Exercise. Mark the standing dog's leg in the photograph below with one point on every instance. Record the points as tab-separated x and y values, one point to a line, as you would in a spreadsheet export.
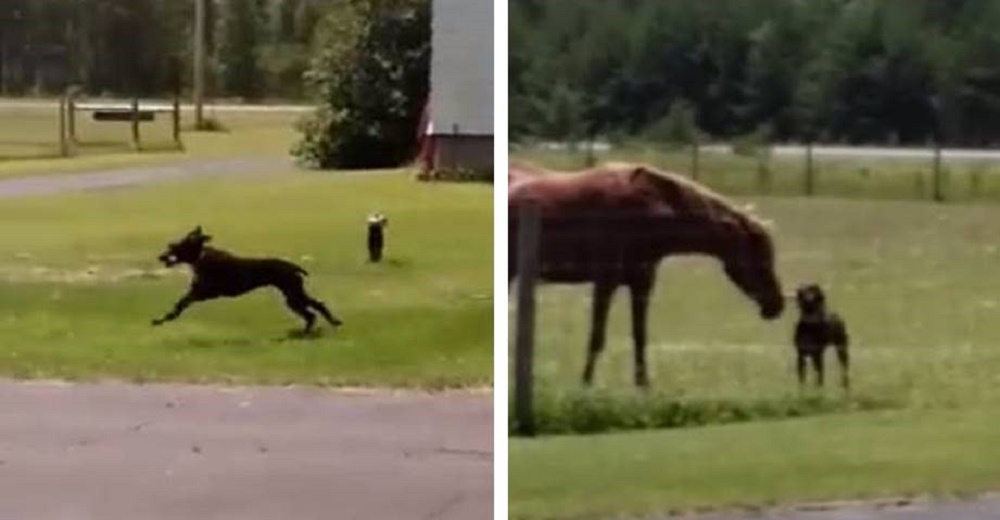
844	358
817	362
179	307
800	358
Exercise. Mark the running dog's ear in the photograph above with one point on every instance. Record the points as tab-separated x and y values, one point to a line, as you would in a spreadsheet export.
199	233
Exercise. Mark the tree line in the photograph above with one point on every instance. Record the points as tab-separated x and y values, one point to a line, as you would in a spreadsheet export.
851	71
364	63
254	47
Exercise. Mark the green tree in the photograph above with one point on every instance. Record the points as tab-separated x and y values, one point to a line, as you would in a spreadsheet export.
239	50
370	75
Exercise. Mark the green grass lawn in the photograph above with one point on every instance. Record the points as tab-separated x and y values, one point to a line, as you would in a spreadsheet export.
755	465
919	287
878	178
79	283
29	140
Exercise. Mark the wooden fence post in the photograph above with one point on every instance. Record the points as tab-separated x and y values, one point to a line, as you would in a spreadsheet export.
810	170
764	168
938	180
695	162
71	94
529	224
63	140
177	121
135	123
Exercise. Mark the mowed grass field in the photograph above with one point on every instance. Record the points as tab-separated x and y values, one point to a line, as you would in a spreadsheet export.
79	283
919	286
29	139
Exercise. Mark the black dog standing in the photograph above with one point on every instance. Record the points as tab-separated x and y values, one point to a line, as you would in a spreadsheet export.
219	274
376	236
817	329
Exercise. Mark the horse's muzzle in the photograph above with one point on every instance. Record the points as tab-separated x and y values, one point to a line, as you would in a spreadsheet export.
772	310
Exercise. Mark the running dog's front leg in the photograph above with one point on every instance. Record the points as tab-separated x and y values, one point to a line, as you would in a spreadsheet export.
179	307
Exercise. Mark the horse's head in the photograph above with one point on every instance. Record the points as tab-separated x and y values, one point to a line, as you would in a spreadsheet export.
750	265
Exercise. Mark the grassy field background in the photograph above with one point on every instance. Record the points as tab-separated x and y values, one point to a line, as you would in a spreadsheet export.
79	283
29	139
916	284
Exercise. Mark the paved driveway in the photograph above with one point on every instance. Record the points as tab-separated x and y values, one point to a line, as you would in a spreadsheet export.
118	451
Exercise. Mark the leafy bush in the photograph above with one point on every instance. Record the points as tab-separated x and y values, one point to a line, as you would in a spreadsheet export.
370	74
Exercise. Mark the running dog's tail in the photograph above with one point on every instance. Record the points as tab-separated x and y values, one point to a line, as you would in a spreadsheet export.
299	269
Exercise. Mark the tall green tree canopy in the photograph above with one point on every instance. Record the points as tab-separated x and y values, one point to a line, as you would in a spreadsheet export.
853	71
256	47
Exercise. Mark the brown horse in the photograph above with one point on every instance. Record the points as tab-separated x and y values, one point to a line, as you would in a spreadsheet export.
518	172
611	225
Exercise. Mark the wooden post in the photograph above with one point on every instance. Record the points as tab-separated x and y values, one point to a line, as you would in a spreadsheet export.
71	114
529	225
810	170
938	180
199	62
177	121
135	124
764	169
63	141
695	162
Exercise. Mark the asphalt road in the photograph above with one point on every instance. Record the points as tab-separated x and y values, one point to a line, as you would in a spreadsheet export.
35	185
986	507
117	451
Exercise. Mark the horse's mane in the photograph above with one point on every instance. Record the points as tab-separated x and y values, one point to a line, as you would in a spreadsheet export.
691	190
694	191
524	167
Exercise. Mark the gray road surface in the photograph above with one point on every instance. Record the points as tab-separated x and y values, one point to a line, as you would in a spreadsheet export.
122	177
982	508
116	451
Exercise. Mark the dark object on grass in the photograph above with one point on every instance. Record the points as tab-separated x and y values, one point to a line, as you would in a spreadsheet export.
817	329
377	223
219	274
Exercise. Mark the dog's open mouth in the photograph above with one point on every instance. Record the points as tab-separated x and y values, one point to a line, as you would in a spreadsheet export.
168	260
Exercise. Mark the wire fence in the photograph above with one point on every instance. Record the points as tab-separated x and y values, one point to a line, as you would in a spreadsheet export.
927	173
40	129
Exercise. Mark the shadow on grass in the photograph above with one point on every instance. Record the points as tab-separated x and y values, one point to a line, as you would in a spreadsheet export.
301	335
210	343
595	411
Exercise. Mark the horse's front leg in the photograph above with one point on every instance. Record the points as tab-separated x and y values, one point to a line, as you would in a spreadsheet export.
603	291
641	287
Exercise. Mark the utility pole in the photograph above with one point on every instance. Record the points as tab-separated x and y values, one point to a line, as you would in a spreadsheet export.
199	61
